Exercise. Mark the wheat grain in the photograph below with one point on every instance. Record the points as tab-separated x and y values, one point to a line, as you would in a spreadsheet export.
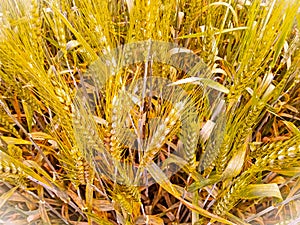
114	130
128	199
89	142
11	173
81	170
59	28
212	149
7	168
22	92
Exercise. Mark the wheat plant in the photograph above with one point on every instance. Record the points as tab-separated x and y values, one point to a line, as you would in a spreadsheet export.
92	134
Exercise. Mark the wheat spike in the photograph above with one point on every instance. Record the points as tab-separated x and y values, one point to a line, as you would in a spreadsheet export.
59	27
36	30
269	148
116	132
10	168
128	199
212	148
276	155
246	126
7	124
190	140
280	154
60	88
88	140
77	168
10	172
230	197
82	169
161	133
22	92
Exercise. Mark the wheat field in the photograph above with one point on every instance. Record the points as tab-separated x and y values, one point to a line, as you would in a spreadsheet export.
152	112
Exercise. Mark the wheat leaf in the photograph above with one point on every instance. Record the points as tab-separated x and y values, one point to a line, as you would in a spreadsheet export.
15	141
290	172
260	191
224	31
200	81
292	127
98	220
4	197
41	136
29	115
235	164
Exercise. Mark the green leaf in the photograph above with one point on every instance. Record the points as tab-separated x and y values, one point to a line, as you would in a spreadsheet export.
260	191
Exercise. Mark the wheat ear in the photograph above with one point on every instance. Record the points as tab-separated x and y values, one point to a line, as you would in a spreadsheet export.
115	130
60	88
9	168
280	154
190	141
36	30
7	124
161	133
276	155
230	197
82	168
245	126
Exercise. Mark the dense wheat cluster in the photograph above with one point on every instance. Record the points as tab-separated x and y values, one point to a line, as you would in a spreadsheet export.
85	138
